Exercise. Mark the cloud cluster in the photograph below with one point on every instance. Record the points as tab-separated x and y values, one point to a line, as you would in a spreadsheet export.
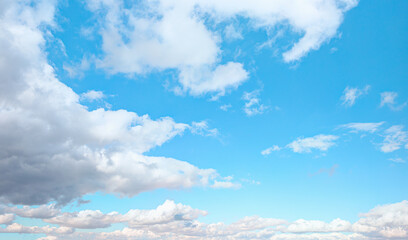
51	147
183	36
177	221
253	104
394	138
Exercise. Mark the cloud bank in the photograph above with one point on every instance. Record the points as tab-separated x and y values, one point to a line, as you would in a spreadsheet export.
178	221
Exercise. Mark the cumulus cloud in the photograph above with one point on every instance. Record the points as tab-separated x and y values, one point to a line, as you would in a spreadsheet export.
385	222
160	35
43	211
178	221
6	218
18	228
52	148
223	77
394	138
363	127
388	99
350	95
92	95
320	142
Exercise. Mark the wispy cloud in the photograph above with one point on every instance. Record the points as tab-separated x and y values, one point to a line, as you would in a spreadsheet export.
329	171
395	137
350	95
202	128
362	127
388	99
270	150
396	160
225	107
253	104
319	142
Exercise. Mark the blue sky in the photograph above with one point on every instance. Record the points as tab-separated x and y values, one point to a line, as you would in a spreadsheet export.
203	119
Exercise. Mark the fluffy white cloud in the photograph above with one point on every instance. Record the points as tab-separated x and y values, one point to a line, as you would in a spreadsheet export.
351	94
163	214
395	137
51	147
87	219
177	221
6	218
388	99
43	211
362	127
92	95
18	228
167	34
320	142
385	222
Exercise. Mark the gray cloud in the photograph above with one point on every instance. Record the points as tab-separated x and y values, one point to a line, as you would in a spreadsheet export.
51	147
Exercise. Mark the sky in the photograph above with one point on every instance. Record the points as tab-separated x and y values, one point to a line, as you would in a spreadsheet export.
203	119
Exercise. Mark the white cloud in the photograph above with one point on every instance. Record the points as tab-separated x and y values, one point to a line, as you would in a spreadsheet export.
388	99
396	160
198	81
252	105
43	211
363	127
77	70
385	222
159	35
54	149
201	128
232	33
6	218
320	142
395	137
18	228
350	95
225	107
270	150
92	95
225	184
166	213
177	221
86	219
